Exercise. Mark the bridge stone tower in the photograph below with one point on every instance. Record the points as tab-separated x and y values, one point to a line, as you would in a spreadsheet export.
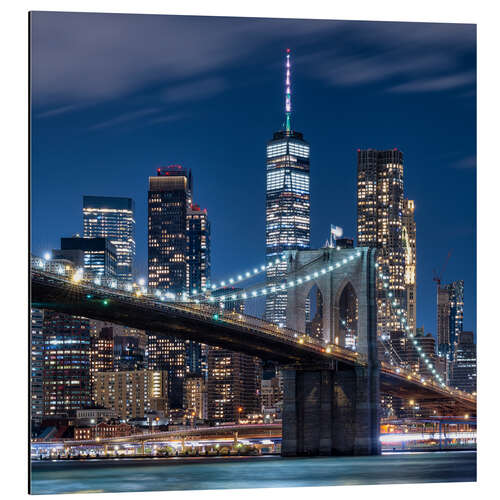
333	409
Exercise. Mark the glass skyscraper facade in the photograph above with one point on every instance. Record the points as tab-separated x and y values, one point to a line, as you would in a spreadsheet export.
380	205
287	203
410	244
464	366
178	261
99	254
198	248
169	199
66	363
450	310
113	218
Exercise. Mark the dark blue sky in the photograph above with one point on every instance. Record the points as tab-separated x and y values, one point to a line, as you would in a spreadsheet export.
116	96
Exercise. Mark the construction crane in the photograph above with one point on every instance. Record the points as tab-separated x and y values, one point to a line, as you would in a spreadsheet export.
437	277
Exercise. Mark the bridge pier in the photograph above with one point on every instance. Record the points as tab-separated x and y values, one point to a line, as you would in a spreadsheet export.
331	411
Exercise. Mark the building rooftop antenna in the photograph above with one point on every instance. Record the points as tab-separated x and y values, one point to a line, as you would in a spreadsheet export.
288	93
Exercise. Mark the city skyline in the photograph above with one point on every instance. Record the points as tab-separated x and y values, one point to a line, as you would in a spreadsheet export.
331	193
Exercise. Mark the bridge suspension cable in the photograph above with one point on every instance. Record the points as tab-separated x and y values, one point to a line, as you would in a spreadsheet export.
400	314
268	290
238	278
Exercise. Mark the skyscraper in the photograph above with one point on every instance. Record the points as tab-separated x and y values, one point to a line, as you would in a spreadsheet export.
233	379
287	200
169	199
410	244
464	366
36	363
66	367
101	352
99	254
113	218
380	224
198	248
450	317
178	261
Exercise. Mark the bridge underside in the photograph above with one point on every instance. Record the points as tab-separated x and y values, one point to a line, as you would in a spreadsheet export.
426	396
138	313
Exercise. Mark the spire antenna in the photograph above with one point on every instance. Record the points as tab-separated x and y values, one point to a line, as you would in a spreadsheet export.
288	93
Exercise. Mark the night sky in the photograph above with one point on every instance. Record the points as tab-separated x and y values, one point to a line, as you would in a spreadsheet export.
116	96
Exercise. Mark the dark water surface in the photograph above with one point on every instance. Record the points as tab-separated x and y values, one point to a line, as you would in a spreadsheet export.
258	472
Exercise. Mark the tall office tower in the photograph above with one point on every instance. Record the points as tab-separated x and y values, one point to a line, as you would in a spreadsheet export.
133	393
287	201
169	199
99	254
178	261
113	218
380	224
101	352
233	379
198	248
464	366
450	317
410	244
66	363
36	364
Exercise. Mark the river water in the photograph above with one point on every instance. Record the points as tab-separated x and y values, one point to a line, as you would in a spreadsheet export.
257	472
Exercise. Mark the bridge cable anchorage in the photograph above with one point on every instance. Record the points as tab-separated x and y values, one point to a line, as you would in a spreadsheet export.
400	315
252	292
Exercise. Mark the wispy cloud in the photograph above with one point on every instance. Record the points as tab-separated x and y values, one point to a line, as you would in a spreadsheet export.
405	57
125	118
83	57
466	163
167	118
436	84
59	110
199	89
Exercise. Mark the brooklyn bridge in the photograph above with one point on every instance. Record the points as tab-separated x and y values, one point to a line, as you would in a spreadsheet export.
331	393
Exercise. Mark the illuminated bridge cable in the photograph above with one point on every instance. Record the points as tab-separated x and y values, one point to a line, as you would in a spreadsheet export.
400	314
277	288
238	278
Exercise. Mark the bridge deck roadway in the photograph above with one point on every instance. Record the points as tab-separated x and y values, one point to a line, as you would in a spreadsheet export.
191	321
234	331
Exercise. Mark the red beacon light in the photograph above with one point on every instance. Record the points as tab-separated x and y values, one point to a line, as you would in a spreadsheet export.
288	51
